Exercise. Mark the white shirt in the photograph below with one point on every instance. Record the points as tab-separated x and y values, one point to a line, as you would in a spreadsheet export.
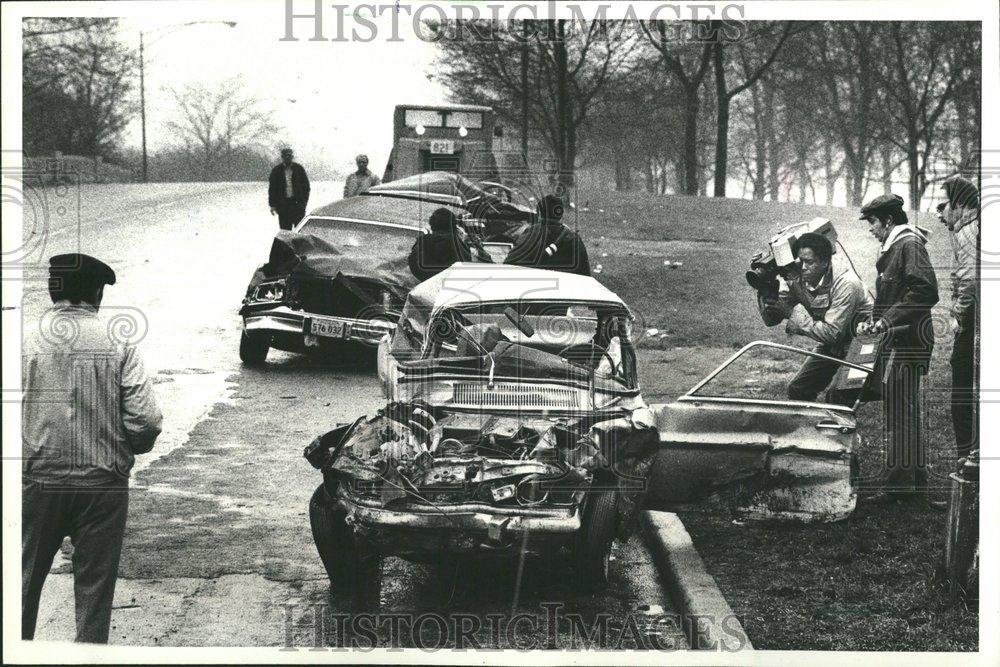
288	182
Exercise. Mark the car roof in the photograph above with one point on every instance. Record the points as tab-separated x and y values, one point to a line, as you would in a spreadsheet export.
445	107
470	283
404	212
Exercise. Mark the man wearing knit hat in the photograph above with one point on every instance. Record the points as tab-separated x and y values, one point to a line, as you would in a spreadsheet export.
549	244
960	214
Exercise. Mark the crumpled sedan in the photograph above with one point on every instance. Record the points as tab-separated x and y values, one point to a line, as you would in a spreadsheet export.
515	425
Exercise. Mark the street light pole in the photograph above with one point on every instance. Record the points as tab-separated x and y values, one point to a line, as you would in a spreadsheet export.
142	80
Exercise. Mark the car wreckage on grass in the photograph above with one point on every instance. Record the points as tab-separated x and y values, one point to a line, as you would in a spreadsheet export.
341	275
515	425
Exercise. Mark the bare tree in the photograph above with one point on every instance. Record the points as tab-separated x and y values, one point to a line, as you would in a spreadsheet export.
215	122
928	64
751	57
687	61
77	85
569	62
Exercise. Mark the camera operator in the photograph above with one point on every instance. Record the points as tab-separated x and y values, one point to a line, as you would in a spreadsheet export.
825	300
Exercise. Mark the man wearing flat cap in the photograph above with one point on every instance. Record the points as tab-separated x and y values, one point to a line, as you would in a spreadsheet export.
88	409
960	215
360	180
288	190
905	291
549	244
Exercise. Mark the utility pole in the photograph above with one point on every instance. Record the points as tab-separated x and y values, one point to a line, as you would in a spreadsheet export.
142	104
142	76
524	93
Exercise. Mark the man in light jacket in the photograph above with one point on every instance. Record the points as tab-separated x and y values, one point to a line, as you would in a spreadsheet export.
88	409
825	302
960	214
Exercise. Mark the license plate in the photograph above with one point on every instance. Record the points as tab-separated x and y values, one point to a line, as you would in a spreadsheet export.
327	328
442	146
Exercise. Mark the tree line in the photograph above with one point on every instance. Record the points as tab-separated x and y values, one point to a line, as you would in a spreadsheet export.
781	109
81	91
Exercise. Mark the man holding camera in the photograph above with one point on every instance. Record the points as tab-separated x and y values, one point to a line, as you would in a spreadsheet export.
905	292
824	301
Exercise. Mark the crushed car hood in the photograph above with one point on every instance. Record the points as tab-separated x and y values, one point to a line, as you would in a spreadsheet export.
310	256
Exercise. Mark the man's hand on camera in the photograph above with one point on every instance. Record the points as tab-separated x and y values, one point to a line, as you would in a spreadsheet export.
779	307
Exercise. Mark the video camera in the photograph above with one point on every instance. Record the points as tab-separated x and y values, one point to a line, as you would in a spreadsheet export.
778	257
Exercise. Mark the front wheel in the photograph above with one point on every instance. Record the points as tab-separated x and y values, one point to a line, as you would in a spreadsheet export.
254	348
353	571
593	546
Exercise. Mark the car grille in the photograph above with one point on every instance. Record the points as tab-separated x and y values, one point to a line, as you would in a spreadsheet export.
512	395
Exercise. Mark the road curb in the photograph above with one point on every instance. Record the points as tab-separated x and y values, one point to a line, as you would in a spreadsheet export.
707	619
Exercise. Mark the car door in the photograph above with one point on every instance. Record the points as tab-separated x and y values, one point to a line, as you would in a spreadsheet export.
735	433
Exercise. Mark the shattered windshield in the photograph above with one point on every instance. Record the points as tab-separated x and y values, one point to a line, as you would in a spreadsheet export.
578	343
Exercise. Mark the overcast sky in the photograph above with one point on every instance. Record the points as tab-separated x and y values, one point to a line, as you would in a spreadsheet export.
334	98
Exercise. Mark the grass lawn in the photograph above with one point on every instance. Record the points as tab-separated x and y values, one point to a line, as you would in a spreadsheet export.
865	583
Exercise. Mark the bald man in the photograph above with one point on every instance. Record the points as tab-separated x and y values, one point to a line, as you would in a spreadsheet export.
360	180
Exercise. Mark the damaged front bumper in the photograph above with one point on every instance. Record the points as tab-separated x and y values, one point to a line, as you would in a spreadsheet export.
413	530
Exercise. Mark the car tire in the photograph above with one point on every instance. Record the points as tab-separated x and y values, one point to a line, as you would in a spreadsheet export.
593	545
254	348
353	571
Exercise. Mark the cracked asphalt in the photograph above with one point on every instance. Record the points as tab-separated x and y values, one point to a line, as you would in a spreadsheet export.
218	550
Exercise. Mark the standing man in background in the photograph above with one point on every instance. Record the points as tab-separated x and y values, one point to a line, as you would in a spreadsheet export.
288	190
905	291
960	214
88	409
360	180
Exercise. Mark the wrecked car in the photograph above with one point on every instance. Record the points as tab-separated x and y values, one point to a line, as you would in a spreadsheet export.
341	275
515	423
737	435
514	410
493	211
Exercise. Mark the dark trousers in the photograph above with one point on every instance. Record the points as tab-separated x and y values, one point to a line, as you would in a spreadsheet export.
906	458
964	402
290	212
814	376
94	518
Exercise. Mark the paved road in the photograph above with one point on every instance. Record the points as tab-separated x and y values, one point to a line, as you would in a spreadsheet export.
218	549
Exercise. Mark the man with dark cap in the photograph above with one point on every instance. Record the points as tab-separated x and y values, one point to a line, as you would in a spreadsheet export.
288	190
960	214
446	244
905	291
88	409
549	244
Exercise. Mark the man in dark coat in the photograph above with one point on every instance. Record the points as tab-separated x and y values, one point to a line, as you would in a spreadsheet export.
549	244
288	190
446	244
905	291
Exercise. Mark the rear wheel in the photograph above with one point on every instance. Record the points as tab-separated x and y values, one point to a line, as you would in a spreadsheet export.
593	546
354	571
254	347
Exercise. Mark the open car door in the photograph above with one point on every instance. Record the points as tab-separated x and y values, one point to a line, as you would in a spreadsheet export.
737	433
